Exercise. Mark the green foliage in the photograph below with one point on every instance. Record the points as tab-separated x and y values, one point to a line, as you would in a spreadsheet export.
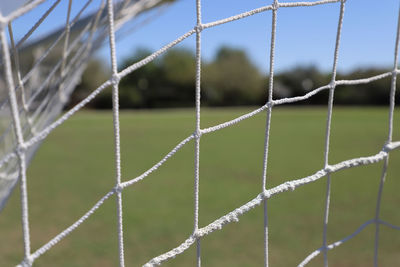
231	79
168	81
375	93
299	81
179	67
93	76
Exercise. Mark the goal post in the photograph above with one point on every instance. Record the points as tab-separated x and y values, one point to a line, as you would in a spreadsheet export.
34	108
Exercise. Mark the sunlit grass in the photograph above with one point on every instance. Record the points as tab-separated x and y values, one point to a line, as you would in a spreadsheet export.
75	167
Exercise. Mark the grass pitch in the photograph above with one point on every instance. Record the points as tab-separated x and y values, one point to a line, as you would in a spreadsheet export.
75	167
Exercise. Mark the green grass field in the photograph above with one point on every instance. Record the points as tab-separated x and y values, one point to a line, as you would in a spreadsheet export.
75	167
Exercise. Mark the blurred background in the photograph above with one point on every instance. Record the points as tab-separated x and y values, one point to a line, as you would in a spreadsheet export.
235	56
74	167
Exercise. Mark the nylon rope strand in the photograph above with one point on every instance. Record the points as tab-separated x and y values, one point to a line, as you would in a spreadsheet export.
117	145
268	125
389	140
328	132
20	143
63	97
197	134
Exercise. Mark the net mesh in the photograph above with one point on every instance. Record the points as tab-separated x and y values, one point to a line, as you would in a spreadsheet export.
52	67
35	100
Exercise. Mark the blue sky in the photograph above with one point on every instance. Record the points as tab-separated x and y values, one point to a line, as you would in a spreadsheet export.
305	35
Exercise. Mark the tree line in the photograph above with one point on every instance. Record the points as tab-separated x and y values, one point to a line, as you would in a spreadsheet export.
231	79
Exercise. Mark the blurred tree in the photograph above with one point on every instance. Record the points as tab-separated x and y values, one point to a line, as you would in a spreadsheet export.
232	80
138	89
180	71
92	77
164	82
375	93
299	81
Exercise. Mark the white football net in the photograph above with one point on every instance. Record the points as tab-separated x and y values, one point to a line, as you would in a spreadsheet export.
38	92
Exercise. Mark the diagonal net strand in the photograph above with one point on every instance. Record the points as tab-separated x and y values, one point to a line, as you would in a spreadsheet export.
290	185
75	54
218	224
42	135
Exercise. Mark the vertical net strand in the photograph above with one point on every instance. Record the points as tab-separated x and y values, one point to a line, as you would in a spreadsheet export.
389	140
20	142
197	131
268	126
328	132
117	146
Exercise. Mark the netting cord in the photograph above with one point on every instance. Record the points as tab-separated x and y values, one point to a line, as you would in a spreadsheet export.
55	42
36	25
328	132
197	135
21	11
43	134
289	185
117	145
17	66
114	81
389	140
63	97
19	79
20	143
275	7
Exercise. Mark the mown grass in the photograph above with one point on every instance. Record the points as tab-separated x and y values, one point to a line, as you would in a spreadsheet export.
75	167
